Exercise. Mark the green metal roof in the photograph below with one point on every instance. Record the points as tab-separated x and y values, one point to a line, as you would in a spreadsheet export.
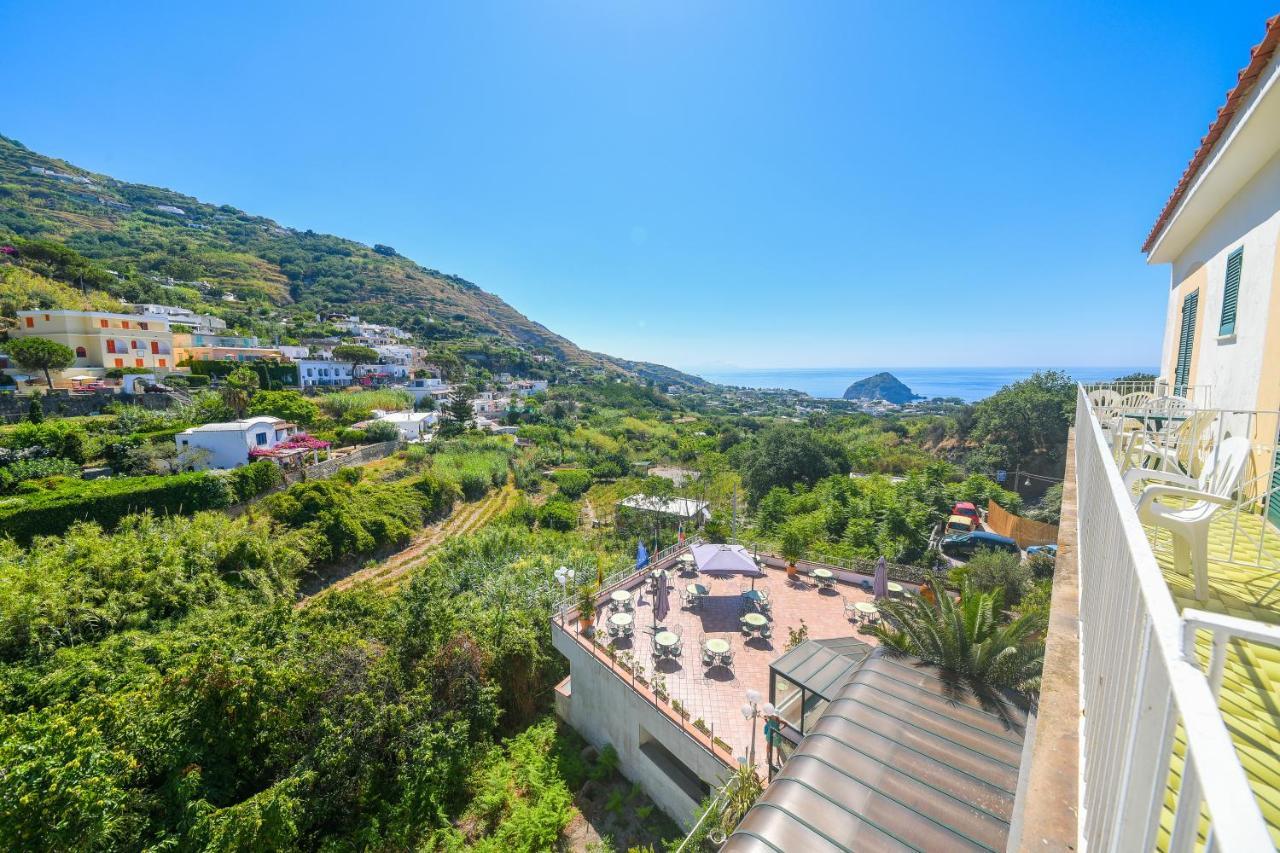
899	760
822	666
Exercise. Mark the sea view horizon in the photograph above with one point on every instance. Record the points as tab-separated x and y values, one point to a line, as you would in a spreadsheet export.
968	383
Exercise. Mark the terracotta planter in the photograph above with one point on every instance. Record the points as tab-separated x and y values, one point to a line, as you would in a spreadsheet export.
792	571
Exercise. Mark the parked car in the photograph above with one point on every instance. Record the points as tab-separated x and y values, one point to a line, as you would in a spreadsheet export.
958	525
968	510
965	545
1049	550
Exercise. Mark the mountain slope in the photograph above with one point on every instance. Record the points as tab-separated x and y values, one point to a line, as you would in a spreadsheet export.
173	241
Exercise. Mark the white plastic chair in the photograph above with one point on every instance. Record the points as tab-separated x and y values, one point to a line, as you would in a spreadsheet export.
1188	520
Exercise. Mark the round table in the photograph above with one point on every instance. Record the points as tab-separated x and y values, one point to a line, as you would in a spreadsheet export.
755	620
697	589
823	574
866	608
718	647
621	597
622	620
665	639
895	588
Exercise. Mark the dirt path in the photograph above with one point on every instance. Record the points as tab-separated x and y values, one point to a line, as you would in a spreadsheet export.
464	519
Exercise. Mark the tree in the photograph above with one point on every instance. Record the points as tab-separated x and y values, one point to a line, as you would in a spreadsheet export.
1025	424
241	384
966	639
290	405
41	354
457	414
357	354
788	454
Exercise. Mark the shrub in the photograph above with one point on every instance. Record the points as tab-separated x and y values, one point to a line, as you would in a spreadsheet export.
440	495
253	479
572	482
990	570
57	437
557	515
108	500
1041	565
380	431
36	469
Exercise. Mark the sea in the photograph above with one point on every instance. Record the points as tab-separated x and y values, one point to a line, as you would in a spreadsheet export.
968	383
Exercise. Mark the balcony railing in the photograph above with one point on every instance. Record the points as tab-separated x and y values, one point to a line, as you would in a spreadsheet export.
1140	685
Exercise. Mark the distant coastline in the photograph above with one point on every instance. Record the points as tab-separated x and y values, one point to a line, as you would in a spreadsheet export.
968	383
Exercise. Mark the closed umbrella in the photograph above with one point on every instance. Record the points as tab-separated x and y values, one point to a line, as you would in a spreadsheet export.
661	601
880	584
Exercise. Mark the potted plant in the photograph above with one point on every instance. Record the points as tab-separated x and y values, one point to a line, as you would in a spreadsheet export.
586	604
792	550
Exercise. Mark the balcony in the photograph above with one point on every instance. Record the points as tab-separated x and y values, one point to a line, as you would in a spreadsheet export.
1178	682
676	723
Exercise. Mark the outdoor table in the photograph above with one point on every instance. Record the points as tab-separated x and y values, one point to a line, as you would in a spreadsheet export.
755	621
895	588
665	640
824	577
866	608
620	620
621	596
718	646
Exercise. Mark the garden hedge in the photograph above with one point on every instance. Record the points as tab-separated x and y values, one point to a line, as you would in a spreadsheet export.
106	501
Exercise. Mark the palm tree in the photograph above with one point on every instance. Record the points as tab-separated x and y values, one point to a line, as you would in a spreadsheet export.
967	640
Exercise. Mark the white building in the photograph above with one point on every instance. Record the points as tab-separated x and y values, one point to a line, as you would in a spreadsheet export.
227	445
1219	233
401	354
314	372
383	371
413	426
182	319
429	386
294	353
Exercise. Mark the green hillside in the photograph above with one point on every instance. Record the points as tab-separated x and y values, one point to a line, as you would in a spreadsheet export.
152	244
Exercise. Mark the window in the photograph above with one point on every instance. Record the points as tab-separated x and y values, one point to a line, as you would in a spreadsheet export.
119	362
31	321
136	344
1231	292
137	362
124	324
1186	342
143	326
155	347
161	362
260	438
111	345
81	352
102	323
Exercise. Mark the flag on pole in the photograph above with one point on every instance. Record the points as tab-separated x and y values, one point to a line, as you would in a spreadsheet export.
642	556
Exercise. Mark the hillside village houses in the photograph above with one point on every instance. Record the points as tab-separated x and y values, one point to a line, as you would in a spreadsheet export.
102	340
228	445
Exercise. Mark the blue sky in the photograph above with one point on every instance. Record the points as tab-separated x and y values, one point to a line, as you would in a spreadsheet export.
700	184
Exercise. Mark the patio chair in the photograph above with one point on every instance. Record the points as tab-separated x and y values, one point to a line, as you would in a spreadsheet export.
1198	501
1104	401
726	659
766	631
850	611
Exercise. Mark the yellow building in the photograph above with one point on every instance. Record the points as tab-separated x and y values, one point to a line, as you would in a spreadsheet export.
102	340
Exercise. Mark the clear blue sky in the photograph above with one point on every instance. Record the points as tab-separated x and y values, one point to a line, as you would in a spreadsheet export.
755	184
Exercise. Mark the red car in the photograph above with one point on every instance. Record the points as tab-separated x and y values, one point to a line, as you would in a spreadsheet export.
968	510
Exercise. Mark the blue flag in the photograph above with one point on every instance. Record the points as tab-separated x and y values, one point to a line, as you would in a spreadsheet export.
642	556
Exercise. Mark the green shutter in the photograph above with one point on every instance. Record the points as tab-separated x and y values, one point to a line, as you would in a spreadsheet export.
1185	341
1273	502
1231	293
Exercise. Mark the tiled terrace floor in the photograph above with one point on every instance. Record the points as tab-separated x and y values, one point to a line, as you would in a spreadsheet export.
716	695
1250	700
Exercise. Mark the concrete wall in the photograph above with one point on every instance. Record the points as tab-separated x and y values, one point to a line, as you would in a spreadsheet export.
14	408
605	710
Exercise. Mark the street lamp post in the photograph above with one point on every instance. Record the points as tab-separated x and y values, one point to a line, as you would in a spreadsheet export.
564	575
752	709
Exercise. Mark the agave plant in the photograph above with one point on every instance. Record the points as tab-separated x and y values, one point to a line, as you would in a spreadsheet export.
967	640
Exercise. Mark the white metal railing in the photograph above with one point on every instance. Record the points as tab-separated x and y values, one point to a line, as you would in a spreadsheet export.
1186	440
1158	389
1138	685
